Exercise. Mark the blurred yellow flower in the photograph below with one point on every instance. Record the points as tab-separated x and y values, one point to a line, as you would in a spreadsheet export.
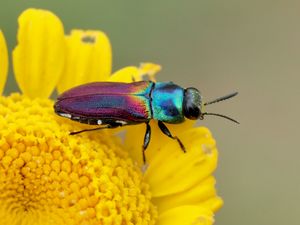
3	62
50	177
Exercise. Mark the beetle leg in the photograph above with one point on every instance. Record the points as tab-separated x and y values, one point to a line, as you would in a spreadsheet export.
146	140
93	129
166	131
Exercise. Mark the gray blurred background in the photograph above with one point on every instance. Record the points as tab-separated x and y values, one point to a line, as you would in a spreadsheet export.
217	46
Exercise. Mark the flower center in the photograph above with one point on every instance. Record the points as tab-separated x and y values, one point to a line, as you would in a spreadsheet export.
50	177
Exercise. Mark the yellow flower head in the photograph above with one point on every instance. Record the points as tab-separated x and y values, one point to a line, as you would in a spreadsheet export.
50	177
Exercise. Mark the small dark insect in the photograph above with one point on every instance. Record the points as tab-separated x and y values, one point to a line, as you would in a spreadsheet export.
112	105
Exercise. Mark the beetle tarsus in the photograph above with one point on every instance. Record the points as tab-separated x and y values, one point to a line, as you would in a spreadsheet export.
166	131
146	141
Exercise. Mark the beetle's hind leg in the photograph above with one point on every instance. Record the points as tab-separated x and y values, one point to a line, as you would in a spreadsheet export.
108	126
166	131
146	140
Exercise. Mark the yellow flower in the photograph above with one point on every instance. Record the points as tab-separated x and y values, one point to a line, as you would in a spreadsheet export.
50	177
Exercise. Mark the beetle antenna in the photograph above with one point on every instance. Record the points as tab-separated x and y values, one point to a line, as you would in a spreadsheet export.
221	98
220	115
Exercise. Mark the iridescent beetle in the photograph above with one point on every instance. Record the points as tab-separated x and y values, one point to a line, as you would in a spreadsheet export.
112	104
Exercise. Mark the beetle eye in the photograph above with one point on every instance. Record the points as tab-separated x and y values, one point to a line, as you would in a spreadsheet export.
192	104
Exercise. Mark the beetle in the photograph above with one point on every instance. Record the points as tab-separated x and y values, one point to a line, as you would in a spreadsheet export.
115	104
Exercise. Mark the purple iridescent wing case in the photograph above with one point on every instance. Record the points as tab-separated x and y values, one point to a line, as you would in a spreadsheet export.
104	101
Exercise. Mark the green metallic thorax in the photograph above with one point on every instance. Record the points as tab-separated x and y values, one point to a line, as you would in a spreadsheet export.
167	101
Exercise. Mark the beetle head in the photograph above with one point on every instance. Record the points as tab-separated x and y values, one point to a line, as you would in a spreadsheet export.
192	104
193	108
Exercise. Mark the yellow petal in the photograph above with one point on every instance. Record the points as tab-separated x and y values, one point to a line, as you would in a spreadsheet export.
132	73
149	69
186	215
133	142
180	171
88	59
175	129
38	58
200	194
137	133
127	74
214	204
3	62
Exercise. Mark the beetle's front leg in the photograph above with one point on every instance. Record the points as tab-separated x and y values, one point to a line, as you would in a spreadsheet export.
166	131
146	140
